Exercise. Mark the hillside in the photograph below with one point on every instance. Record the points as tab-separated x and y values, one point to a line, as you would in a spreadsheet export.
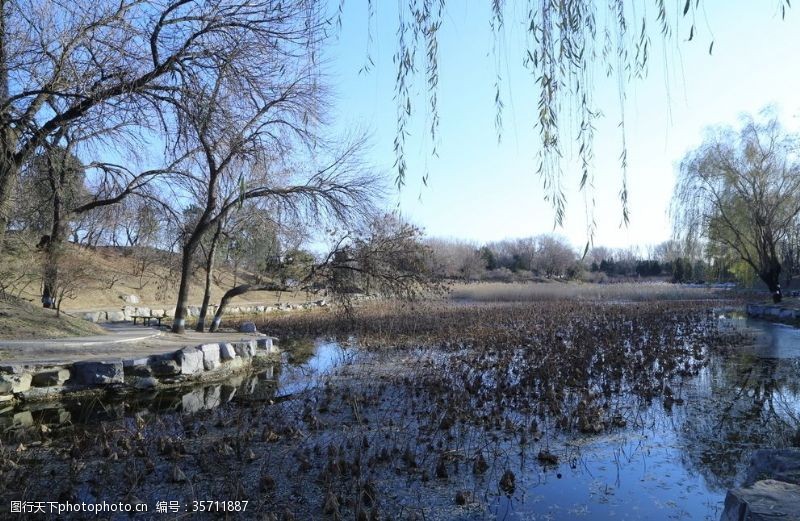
22	320
102	278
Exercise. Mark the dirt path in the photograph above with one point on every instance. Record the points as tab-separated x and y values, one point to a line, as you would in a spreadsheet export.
121	341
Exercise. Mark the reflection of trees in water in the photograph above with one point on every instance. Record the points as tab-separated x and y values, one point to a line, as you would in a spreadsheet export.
251	387
299	350
740	403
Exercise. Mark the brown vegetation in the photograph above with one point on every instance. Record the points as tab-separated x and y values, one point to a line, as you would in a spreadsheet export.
20	320
444	409
116	271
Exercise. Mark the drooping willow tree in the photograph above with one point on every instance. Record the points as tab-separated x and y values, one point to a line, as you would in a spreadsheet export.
567	41
740	191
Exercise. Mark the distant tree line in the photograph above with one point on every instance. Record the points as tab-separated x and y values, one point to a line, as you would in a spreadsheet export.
551	257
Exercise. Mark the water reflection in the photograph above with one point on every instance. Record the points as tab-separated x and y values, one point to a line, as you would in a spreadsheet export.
742	402
659	454
50	415
770	340
678	456
302	366
305	362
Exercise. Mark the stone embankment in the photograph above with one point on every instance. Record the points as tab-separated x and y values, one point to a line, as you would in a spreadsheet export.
52	414
771	489
773	312
128	312
206	362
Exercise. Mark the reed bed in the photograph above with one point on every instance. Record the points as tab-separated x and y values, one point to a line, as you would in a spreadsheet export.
447	411
480	324
619	292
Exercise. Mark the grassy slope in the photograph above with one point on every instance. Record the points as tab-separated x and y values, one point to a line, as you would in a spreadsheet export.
22	320
114	272
107	274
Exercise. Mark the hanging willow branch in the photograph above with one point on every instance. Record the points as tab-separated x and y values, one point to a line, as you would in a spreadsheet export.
565	45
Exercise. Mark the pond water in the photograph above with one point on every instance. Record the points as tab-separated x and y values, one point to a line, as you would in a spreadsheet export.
273	382
681	459
671	458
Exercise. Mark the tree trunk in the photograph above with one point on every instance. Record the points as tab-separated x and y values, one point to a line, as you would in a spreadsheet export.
8	176
772	278
8	168
201	320
179	323
54	246
235	292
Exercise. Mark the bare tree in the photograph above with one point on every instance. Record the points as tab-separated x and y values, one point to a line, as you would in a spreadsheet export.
64	62
246	124
456	259
57	188
554	256
790	253
386	257
741	189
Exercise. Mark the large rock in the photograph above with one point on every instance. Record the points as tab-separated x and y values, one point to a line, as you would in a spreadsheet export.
35	394
130	299
133	362
190	360
236	363
210	356
193	401
142	312
266	345
13	369
139	371
53	378
15	383
129	312
755	310
98	373
23	419
157	313
165	367
116	316
248	327
145	383
245	349
95	316
226	352
765	500
780	464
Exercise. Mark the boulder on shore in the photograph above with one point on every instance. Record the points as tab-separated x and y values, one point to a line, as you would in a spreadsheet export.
98	373
248	327
765	500
771	488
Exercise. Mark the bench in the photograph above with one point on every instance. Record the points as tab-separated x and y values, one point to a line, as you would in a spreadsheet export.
146	319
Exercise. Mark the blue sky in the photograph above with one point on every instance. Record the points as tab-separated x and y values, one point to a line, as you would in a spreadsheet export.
481	191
